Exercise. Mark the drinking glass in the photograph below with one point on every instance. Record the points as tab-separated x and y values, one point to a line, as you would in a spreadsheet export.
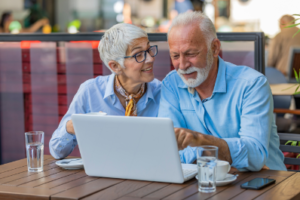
207	160
35	150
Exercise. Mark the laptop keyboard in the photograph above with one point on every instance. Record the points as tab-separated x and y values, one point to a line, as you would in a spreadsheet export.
189	173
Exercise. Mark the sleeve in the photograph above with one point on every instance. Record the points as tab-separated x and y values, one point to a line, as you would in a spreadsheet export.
62	143
250	151
274	51
169	107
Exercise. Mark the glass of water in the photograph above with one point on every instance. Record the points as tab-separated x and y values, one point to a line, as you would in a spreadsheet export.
35	150
207	160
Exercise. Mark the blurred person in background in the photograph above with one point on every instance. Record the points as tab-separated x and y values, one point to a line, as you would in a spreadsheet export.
182	6
280	45
7	19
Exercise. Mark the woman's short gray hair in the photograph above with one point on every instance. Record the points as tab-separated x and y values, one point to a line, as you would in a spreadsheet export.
205	24
115	41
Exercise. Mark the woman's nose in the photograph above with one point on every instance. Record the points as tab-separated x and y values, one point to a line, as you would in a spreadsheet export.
149	58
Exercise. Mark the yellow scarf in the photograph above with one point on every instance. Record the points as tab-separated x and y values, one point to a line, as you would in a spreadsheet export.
131	109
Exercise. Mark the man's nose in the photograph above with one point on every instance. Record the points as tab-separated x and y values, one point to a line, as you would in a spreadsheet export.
183	63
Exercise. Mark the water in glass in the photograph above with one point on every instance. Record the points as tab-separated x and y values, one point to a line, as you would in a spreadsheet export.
35	156
206	174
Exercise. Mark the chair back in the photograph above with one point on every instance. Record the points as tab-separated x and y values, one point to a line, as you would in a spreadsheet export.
289	148
293	63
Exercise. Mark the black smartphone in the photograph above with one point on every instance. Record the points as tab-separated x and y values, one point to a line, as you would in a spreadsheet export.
257	183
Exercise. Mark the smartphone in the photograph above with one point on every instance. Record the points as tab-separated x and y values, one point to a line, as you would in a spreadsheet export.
257	183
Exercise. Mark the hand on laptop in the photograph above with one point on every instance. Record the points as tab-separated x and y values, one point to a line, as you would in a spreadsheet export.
186	137
70	127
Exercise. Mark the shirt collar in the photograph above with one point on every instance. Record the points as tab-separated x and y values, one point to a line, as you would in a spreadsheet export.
109	91
220	84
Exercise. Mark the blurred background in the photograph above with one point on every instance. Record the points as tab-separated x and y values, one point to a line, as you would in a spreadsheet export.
153	15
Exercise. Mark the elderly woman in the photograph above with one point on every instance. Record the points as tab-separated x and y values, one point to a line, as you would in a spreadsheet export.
130	90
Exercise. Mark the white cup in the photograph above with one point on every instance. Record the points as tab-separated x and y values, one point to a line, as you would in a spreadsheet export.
222	169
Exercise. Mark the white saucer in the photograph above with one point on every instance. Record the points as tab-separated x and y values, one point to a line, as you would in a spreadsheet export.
228	179
75	163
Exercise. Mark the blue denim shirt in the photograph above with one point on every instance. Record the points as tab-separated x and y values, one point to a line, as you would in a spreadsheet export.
240	111
96	95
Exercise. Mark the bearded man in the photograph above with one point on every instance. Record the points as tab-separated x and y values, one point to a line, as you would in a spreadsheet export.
213	102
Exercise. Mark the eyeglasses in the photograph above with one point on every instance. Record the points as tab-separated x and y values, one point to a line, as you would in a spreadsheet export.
141	56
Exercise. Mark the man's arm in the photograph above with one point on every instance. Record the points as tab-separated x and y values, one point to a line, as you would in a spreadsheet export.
250	150
186	137
169	107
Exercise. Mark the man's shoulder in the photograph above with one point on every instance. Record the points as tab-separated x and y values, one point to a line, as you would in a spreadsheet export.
242	73
172	77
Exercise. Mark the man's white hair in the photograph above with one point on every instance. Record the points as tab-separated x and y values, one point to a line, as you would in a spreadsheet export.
205	24
115	41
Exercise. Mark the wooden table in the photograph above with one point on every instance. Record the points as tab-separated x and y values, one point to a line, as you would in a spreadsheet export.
57	183
283	89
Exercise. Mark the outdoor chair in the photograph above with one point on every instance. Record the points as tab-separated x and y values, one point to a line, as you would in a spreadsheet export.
284	137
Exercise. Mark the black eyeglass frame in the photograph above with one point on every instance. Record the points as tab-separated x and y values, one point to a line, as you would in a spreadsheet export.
145	54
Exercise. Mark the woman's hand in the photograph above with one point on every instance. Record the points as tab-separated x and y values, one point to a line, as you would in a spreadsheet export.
70	127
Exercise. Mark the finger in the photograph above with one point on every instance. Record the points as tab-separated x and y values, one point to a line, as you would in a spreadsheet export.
188	140
180	140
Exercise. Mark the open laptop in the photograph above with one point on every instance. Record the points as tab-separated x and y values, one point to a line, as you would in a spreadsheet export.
140	148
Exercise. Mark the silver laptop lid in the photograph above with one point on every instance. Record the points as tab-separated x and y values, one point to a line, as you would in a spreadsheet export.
140	148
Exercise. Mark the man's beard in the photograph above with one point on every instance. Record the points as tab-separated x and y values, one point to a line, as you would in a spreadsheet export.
202	73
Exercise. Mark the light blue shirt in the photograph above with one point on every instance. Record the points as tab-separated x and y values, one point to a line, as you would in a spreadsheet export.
96	95
240	111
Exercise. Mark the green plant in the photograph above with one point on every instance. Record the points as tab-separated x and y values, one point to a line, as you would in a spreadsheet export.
295	24
293	143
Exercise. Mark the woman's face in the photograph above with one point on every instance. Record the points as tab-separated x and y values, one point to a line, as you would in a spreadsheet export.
138	72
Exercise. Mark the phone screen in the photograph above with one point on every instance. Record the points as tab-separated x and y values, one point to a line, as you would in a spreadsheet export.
257	183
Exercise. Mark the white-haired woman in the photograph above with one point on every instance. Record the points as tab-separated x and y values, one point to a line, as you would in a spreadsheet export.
131	89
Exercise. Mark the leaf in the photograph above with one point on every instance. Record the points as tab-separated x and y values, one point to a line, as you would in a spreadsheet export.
296	93
296	75
290	141
290	87
296	14
296	33
290	26
297	88
291	22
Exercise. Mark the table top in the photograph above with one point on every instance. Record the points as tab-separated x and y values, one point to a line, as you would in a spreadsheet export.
283	89
57	183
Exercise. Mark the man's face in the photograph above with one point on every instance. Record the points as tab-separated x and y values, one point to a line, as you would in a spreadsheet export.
190	55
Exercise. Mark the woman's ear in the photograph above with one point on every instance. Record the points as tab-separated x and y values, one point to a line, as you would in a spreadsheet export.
115	66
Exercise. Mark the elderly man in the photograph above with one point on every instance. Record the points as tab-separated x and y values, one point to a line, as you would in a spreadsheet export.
213	102
280	45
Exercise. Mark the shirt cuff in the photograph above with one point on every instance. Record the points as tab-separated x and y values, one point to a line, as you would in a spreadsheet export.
188	155
238	153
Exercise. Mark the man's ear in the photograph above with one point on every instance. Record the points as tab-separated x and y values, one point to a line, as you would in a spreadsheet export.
115	66
216	47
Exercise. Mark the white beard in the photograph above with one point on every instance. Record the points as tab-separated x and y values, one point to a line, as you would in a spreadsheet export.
202	73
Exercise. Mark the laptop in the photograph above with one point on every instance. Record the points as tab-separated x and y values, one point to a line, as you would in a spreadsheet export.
139	148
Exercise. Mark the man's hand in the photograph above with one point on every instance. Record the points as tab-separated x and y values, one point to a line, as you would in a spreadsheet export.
186	137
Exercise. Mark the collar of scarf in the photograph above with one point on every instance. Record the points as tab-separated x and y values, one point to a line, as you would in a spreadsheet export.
131	109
